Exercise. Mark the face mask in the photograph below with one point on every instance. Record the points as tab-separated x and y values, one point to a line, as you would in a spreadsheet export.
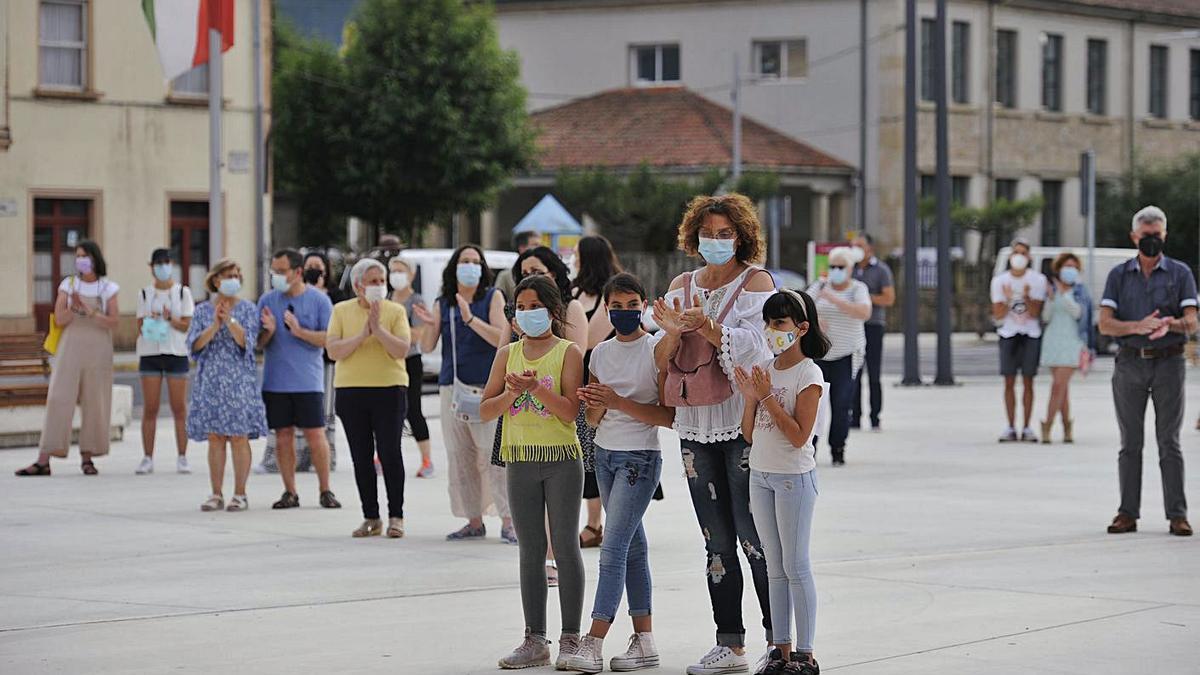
83	265
626	321
1018	261
398	280
162	272
279	281
1150	246
779	340
1069	275
534	322
375	293
312	275
837	276
154	330
230	287
716	251
469	274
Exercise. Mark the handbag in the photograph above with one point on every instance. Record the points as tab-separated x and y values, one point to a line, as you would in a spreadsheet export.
694	373
464	399
50	344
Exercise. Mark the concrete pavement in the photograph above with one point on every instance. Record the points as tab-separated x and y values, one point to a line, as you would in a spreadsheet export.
936	550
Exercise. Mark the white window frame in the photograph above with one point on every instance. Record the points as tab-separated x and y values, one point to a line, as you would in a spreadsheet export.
784	49
85	66
658	64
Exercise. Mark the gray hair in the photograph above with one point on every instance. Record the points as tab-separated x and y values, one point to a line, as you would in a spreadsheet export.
1149	214
842	253
360	270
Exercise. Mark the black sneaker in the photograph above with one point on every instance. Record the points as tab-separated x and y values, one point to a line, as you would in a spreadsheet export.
799	665
328	501
289	500
774	665
839	456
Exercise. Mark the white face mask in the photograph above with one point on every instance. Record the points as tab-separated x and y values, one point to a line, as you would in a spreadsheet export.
780	340
398	280
375	293
1018	261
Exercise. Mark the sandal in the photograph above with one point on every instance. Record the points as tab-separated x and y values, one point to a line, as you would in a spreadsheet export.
328	501
238	503
89	468
595	540
34	469
551	574
395	528
369	528
213	503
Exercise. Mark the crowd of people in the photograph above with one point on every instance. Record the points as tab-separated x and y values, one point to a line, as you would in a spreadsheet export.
552	392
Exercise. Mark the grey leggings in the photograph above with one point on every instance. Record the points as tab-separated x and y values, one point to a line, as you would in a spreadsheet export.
535	490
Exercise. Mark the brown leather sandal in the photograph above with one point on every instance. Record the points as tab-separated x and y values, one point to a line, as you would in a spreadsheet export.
34	469
89	468
593	541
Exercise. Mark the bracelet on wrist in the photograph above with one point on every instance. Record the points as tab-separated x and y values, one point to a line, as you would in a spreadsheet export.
765	398
468	321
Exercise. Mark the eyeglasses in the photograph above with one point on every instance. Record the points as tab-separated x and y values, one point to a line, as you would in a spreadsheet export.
723	234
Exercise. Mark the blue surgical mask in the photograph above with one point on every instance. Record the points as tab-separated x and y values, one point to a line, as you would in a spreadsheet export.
534	322
469	274
162	271
154	330
279	281
1069	275
230	287
716	251
625	321
837	276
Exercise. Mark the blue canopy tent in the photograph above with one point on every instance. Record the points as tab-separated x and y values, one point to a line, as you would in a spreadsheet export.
554	223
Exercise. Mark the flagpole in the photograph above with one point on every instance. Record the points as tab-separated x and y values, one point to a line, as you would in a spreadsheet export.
216	229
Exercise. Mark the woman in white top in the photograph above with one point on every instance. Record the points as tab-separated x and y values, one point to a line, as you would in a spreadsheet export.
782	413
726	310
164	314
845	305
86	309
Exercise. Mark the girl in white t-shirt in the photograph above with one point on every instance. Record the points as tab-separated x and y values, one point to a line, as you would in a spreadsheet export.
783	404
164	314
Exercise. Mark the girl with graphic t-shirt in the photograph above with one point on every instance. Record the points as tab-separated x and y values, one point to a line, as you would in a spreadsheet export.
533	384
783	403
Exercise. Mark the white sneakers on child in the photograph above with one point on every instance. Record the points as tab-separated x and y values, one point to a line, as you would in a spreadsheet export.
182	465
641	654
719	660
588	656
145	466
533	652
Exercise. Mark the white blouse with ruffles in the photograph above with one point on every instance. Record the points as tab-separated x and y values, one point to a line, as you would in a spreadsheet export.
743	343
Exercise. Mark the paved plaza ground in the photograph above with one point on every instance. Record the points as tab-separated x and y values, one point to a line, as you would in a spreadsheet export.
936	550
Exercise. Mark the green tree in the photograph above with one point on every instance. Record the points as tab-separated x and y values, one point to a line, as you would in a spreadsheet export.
997	221
1173	186
435	111
641	210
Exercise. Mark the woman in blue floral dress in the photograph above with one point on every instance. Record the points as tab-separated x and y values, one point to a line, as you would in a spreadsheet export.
225	405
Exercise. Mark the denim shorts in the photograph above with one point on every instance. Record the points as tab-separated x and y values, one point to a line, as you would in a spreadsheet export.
166	365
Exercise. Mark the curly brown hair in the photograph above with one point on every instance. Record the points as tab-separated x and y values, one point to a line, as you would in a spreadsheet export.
1064	258
741	214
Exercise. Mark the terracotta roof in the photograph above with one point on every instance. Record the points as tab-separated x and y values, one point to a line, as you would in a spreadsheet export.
667	127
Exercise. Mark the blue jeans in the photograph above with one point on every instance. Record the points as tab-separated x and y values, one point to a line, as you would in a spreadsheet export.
840	376
627	480
718	476
782	504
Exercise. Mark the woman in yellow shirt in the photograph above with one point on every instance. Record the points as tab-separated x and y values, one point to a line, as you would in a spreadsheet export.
368	338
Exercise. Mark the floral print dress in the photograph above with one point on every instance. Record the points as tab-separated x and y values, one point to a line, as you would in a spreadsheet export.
225	398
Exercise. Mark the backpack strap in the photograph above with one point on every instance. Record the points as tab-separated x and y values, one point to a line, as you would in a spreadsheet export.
738	291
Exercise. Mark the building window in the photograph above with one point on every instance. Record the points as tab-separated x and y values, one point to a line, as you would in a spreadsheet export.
1052	68
1195	98
781	59
1006	189
1006	68
1051	212
928	27
62	44
960	76
58	226
189	243
193	83
1158	81
1097	76
656	63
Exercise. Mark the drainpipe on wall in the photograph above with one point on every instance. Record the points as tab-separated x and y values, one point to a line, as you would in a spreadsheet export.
1130	97
990	114
861	221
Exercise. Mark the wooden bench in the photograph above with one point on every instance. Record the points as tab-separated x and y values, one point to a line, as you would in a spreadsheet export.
22	356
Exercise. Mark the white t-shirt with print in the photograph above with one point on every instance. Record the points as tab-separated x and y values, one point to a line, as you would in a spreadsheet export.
1018	320
771	451
629	368
101	288
151	302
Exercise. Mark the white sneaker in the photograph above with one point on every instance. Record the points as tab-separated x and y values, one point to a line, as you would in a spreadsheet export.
182	465
146	466
641	654
568	644
588	656
718	661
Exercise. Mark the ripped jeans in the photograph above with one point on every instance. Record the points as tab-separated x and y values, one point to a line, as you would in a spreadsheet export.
718	476
627	479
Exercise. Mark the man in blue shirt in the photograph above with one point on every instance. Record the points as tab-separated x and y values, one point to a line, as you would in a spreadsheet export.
1149	306
294	319
878	277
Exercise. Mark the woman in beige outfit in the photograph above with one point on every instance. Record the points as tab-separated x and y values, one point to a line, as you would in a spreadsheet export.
86	309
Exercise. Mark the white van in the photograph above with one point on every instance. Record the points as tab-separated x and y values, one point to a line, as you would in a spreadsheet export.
1106	259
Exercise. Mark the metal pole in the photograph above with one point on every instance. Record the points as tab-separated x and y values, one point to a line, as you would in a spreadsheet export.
912	355
945	290
260	164
1091	217
775	218
862	117
736	170
216	228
